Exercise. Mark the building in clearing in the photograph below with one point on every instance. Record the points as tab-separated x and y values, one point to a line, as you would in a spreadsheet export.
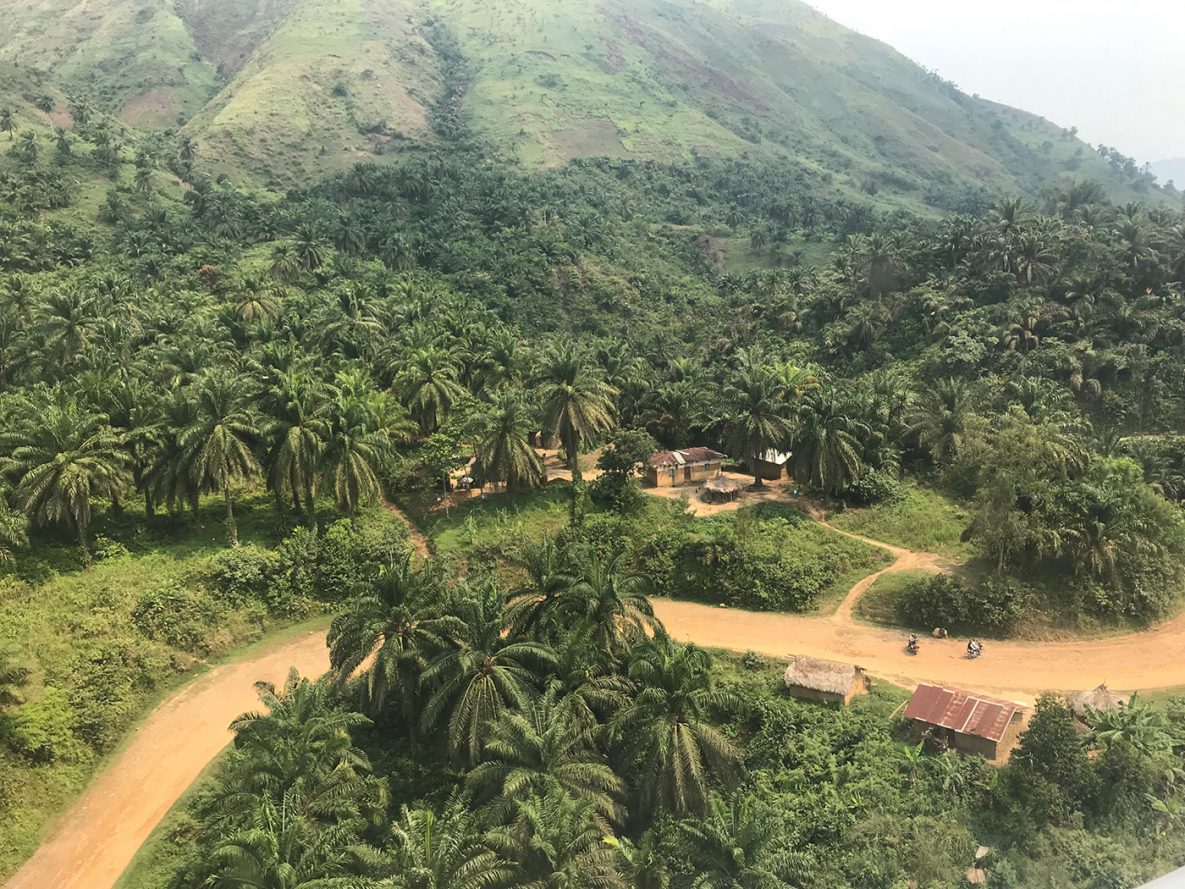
771	465
690	466
967	722
829	681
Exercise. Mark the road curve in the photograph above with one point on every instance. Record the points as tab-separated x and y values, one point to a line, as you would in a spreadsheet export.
96	840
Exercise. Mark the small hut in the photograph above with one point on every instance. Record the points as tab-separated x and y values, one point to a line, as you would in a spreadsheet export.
771	465
814	679
721	490
968	722
688	466
1099	698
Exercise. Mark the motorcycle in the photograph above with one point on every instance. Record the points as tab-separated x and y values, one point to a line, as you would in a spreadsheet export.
974	650
912	645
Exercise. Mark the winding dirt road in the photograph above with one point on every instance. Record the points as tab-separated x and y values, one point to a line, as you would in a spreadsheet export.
97	839
95	842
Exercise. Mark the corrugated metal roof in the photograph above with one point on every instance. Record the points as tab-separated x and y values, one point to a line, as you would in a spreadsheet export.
685	457
961	711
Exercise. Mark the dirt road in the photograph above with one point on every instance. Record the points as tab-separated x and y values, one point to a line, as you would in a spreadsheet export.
96	840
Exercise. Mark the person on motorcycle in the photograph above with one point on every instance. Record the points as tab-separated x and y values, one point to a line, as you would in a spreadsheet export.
974	648
912	644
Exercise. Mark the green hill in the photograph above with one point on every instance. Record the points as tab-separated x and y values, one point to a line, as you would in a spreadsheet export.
285	90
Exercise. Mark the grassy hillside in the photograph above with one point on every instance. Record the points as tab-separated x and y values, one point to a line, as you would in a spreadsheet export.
136	59
339	82
285	90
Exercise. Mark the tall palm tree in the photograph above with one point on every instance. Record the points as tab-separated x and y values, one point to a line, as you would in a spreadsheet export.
60	464
555	843
666	731
756	418
732	848
443	852
826	450
611	601
429	385
504	452
218	447
393	630
483	673
548	747
362	430
576	404
296	432
680	407
939	416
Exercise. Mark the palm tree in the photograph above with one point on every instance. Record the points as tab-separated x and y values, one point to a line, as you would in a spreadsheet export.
68	320
1133	725
504	452
826	451
443	852
8	123
555	843
429	385
297	433
731	847
257	300
282	849
938	418
576	405
61	463
680	407
483	673
393	630
363	427
546	748
14	532
666	733
218	448
757	418
611	601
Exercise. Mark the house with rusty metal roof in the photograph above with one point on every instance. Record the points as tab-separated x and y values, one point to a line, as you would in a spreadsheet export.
689	466
965	721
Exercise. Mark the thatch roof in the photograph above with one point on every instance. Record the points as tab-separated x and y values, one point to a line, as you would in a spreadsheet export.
722	485
1100	698
821	675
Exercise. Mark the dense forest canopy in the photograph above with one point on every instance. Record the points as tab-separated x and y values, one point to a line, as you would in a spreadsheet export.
181	348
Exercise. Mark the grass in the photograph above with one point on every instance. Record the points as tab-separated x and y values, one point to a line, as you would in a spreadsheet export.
496	522
922	520
878	605
76	632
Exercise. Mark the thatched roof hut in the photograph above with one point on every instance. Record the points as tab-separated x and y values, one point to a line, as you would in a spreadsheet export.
819	680
1099	698
721	489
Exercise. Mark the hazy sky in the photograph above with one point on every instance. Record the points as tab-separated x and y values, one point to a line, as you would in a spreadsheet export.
1113	68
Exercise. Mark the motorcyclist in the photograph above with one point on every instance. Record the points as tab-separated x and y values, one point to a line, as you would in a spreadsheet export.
974	648
912	644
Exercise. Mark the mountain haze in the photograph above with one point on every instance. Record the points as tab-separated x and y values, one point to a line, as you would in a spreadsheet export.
284	90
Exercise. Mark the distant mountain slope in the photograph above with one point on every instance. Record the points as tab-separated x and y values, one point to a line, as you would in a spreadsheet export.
337	82
282	91
134	58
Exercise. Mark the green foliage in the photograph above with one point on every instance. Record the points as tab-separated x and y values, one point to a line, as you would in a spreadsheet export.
990	604
43	729
178	617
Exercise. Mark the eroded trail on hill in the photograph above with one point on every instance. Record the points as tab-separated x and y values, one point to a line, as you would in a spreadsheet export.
96	840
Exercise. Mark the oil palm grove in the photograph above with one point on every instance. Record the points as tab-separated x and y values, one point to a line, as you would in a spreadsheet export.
395	379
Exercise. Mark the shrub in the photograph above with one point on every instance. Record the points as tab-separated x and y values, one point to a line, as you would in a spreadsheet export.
243	573
876	486
992	605
176	616
751	660
43	730
105	549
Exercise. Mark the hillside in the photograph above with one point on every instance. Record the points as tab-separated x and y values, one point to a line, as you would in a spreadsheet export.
283	90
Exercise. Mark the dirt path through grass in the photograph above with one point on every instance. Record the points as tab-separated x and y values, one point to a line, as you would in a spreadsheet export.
90	847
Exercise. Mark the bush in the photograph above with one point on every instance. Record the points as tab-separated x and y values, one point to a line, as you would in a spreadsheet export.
176	616
43	730
243	573
876	486
105	549
993	605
